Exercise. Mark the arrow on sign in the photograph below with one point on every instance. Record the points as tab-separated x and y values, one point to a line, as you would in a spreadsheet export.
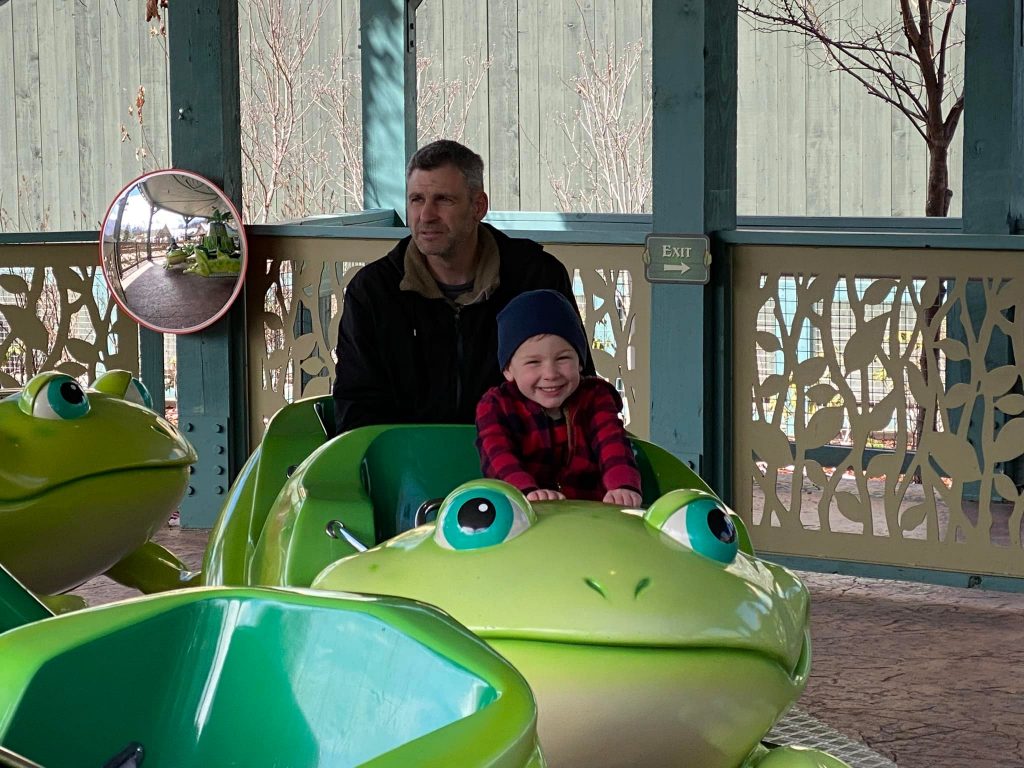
680	268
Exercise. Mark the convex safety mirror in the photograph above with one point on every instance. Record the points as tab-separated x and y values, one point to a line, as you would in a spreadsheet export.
173	251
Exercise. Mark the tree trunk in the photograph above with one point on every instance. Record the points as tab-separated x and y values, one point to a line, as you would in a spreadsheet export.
939	193
937	204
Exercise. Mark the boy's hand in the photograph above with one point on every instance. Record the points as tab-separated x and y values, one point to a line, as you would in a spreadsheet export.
542	494
623	497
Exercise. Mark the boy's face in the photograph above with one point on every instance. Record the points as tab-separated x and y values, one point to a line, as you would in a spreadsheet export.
546	369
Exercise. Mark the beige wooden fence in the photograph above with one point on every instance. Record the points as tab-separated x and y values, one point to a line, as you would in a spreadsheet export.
823	469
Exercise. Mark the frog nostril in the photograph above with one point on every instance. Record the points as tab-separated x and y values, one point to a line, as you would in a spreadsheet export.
595	586
641	585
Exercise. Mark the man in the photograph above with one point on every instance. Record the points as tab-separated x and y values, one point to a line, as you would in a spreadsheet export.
418	336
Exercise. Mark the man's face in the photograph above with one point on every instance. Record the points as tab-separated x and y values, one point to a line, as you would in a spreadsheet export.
443	214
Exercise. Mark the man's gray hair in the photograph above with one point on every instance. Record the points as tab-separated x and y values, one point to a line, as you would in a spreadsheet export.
447	152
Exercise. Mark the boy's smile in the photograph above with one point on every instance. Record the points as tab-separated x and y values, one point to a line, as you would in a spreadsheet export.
546	369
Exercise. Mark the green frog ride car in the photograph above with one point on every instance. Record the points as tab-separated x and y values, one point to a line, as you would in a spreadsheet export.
651	636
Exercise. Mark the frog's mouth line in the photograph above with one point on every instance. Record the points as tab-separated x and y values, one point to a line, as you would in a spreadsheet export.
798	674
163	468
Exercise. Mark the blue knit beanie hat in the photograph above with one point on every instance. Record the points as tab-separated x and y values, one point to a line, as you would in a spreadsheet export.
535	312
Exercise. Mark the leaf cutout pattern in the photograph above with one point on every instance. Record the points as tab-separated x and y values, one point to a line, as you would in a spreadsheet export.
900	400
774	385
822	394
879	291
955	457
953	349
1000	380
1012	405
769	342
809	371
1006	487
864	344
1009	442
913	517
314	280
958	395
771	444
851	507
62	320
822	427
13	284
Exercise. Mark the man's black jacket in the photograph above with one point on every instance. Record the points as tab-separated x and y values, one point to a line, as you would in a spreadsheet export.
407	359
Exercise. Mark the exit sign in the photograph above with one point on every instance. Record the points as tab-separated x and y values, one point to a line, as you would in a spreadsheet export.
678	259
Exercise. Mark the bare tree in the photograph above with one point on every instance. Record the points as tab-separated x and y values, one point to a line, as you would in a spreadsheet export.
610	167
285	157
905	63
442	108
339	94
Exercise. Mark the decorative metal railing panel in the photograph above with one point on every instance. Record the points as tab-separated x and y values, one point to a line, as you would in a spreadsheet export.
55	314
296	292
877	400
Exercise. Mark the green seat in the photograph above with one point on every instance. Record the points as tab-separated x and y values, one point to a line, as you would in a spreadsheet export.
402	469
277	524
261	677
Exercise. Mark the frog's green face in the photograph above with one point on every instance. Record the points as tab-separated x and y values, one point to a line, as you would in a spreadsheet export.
665	612
87	476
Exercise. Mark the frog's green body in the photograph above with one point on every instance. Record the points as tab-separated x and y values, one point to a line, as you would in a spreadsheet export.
640	649
86	478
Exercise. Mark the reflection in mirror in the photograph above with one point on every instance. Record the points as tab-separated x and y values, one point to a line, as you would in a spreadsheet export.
173	251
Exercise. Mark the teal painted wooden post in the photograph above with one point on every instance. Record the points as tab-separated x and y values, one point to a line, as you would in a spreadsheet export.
152	366
387	33
993	165
206	138
994	118
694	167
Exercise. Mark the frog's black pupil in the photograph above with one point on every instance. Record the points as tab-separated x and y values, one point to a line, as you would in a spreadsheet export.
476	514
71	392
721	526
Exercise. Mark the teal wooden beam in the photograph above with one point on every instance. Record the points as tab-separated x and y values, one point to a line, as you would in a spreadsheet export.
152	366
694	168
206	138
388	42
994	118
993	175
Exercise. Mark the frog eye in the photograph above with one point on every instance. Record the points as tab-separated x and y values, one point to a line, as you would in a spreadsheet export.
125	386
481	514
699	522
138	393
54	396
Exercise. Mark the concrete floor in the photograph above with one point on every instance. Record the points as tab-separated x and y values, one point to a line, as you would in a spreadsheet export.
926	676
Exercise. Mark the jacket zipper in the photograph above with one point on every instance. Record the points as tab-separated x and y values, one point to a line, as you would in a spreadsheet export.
458	360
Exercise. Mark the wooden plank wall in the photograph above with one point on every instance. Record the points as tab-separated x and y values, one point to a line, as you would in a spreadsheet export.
69	71
811	141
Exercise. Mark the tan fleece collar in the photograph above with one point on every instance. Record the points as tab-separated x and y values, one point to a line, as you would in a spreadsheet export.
417	277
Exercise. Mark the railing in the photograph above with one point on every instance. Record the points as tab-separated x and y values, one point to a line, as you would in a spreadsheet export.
55	314
877	389
295	299
877	395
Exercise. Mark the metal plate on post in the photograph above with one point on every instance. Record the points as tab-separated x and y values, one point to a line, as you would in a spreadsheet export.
678	259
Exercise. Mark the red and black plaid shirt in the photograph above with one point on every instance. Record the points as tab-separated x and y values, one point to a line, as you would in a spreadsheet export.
583	455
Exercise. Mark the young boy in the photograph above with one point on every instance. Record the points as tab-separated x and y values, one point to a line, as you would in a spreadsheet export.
547	430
